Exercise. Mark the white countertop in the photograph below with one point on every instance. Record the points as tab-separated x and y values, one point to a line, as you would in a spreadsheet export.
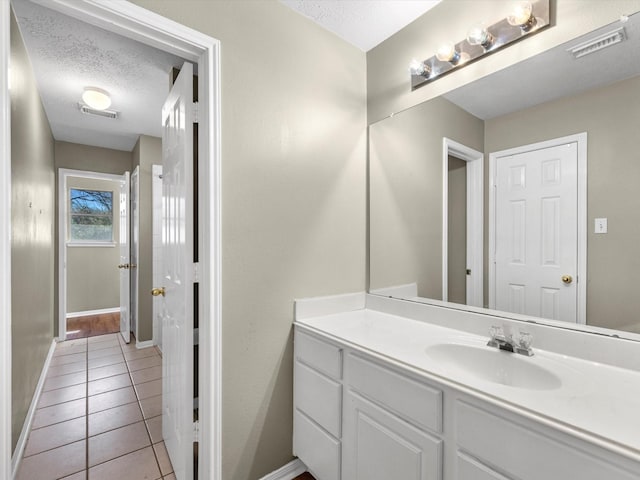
597	402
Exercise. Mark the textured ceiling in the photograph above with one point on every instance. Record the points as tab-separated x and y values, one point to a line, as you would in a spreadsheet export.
68	55
552	75
363	23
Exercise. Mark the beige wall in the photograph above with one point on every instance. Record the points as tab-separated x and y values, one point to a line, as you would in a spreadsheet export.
32	242
93	279
293	200
387	65
147	152
406	175
92	159
611	118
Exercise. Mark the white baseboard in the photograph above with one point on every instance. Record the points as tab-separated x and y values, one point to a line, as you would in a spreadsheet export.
145	344
26	427
85	313
288	472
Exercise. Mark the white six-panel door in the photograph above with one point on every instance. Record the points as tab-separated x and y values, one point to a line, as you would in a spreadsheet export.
177	274
125	250
536	232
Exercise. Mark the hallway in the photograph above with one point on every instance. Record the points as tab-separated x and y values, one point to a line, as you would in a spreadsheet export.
99	416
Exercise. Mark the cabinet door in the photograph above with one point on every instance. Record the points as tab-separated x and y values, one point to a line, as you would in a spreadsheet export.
471	469
377	445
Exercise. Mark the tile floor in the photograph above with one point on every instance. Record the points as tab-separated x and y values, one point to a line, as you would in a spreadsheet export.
99	417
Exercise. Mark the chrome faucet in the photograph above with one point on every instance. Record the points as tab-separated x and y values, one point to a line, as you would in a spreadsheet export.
505	342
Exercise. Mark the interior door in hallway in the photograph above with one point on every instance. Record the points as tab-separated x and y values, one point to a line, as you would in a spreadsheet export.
125	280
178	273
536	228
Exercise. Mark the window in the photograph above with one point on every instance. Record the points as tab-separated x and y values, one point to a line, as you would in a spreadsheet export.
91	216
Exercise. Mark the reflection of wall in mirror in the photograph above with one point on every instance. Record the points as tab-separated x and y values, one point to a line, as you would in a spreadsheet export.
611	117
406	192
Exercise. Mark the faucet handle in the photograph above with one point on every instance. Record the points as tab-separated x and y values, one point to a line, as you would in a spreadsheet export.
495	331
525	339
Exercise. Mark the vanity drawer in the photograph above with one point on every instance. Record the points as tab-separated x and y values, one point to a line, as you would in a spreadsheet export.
318	450
319	397
320	355
404	396
527	454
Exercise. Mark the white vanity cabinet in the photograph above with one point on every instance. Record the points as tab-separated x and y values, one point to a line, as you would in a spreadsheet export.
495	444
391	424
317	393
359	416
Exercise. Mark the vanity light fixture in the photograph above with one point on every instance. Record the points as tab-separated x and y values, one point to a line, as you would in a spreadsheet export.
96	98
524	18
521	15
480	35
447	53
419	69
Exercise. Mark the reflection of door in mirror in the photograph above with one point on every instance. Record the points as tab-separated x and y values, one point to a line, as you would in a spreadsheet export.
535	231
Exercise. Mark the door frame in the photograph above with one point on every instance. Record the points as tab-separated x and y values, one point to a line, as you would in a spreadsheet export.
135	22
134	232
581	274
475	219
63	212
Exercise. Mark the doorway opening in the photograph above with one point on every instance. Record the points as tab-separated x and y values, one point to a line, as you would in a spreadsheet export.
139	24
472	226
89	237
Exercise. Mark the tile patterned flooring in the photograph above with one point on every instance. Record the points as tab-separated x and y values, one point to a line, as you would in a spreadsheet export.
99	416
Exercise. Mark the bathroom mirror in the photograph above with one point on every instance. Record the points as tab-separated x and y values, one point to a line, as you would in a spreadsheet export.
519	192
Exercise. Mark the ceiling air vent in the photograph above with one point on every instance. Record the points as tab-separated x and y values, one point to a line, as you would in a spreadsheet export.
603	41
100	113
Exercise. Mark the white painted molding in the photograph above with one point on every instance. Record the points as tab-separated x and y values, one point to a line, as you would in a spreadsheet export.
63	177
318	306
5	243
290	471
581	140
101	311
26	426
145	344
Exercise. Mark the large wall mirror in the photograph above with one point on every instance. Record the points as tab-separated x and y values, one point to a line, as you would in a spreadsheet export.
519	192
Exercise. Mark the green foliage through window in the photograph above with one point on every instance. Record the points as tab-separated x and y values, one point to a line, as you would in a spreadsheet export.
91	216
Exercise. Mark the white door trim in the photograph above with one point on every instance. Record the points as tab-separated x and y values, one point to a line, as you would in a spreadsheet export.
135	247
5	244
581	275
134	22
475	218
63	175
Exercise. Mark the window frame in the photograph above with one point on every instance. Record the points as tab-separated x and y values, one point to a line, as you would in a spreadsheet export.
88	242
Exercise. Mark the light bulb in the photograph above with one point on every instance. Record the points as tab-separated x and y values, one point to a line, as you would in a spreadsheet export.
447	53
419	68
479	35
96	98
521	15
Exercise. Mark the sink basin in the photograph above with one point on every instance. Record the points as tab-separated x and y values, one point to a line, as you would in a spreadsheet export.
493	365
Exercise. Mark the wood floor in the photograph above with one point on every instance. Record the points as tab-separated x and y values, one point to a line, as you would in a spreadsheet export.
92	325
304	476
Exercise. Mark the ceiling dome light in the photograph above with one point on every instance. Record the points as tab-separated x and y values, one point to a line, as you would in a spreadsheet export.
96	98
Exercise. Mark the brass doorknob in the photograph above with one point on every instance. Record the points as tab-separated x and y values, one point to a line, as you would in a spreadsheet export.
567	279
156	292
